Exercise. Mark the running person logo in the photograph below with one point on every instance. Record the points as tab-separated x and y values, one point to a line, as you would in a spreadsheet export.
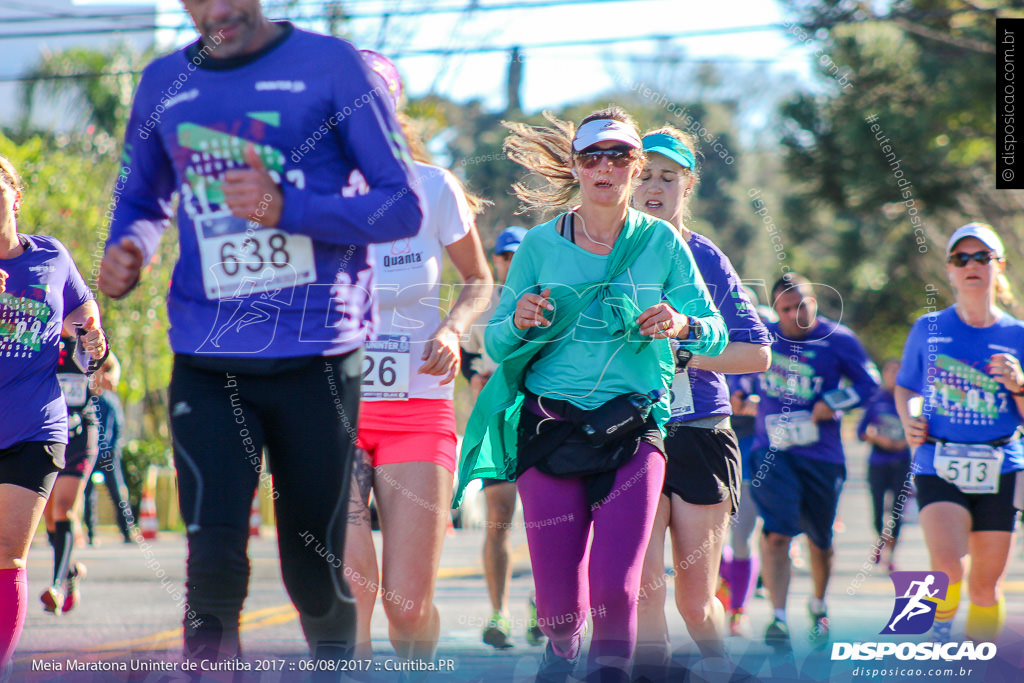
917	594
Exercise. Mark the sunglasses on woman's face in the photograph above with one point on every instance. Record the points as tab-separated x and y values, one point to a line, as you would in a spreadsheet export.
620	158
962	258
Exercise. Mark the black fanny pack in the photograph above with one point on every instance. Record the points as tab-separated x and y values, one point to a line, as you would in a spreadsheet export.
578	443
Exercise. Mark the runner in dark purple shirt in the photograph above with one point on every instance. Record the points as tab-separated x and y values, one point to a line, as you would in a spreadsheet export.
703	475
258	127
41	293
888	465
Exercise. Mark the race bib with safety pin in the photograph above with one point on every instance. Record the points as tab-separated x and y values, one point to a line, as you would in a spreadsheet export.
682	396
796	428
241	258
75	388
386	363
971	467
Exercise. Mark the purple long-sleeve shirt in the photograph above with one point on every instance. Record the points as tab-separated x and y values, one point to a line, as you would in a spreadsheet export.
306	104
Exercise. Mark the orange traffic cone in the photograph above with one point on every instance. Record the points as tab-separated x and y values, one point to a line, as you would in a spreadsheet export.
147	512
255	518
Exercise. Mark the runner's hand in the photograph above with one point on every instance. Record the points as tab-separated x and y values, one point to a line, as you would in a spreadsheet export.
3	281
822	412
121	268
916	429
251	193
94	340
661	321
441	355
530	310
1007	371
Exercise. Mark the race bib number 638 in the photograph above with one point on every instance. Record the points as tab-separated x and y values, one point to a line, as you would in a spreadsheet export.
241	258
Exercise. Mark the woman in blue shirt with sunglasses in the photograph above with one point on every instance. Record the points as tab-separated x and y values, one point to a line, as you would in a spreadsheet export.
960	396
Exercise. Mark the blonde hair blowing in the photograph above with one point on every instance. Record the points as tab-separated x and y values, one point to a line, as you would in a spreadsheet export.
546	152
1005	297
10	176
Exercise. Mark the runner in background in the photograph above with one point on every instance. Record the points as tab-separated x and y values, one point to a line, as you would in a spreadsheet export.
270	299
702	480
41	293
60	512
110	417
740	564
406	445
798	453
960	395
888	464
477	367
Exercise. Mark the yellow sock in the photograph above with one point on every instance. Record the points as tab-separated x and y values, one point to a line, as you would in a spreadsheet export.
946	609
985	623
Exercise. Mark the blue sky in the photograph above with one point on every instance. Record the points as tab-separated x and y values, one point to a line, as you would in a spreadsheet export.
552	76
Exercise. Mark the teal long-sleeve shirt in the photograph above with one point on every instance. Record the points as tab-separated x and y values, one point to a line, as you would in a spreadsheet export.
587	365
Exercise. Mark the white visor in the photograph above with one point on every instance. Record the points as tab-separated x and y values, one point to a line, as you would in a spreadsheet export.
984	233
601	130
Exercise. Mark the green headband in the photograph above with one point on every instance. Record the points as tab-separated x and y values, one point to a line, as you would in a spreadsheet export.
668	146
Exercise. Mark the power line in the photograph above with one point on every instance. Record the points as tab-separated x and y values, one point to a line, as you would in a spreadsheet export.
447	51
269	10
593	42
809	26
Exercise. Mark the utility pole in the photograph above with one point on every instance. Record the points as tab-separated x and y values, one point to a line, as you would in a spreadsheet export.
515	80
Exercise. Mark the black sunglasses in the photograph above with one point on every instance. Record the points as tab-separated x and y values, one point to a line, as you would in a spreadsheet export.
961	259
620	158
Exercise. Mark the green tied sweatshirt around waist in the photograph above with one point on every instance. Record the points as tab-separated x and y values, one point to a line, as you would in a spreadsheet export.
593	350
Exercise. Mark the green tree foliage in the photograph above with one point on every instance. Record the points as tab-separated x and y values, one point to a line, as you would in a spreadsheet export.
68	184
72	78
884	169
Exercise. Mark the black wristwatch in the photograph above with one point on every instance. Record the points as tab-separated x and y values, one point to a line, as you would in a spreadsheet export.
683	356
696	329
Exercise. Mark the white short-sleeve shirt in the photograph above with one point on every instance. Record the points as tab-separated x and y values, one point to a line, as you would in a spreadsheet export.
408	290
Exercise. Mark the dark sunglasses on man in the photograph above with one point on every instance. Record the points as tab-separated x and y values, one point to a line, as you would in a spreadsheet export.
961	258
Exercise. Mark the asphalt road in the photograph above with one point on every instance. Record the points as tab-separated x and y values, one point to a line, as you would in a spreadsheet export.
130	612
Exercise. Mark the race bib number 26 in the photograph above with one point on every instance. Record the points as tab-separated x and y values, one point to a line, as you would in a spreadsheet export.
386	363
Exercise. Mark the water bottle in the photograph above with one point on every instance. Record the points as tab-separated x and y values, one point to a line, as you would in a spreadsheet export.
645	402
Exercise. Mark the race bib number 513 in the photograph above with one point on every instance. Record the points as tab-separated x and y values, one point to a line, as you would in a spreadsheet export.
971	467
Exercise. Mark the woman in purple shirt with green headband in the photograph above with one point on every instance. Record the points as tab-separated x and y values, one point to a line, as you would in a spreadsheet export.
41	292
703	476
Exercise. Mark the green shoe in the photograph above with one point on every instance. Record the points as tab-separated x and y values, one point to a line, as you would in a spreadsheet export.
497	632
819	633
534	636
776	636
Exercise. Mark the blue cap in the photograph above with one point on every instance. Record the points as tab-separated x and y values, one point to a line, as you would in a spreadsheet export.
509	239
668	146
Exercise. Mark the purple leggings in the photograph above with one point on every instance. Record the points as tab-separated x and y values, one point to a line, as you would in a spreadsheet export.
591	559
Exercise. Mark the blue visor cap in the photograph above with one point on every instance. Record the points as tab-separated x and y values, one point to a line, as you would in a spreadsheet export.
668	146
509	239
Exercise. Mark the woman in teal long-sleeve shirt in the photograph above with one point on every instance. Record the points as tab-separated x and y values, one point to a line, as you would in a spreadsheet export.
590	302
